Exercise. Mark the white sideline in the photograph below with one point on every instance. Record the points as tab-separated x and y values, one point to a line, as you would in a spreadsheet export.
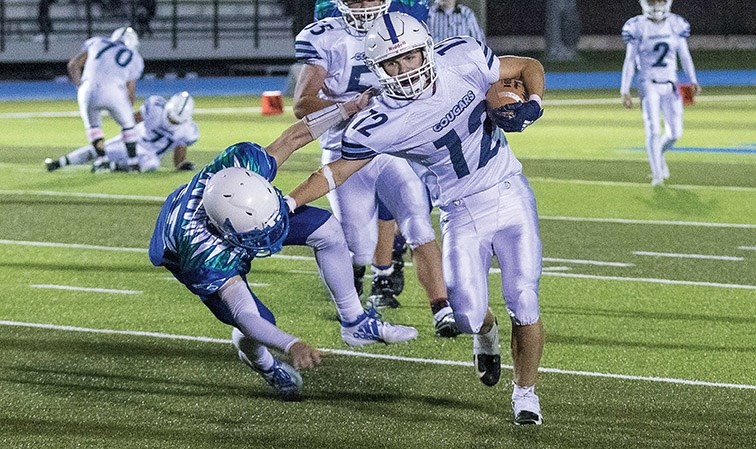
257	110
161	199
491	271
377	356
86	289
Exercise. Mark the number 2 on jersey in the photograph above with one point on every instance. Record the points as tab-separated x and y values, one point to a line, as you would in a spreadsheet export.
663	48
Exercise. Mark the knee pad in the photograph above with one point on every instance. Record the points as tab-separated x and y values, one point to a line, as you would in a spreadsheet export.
523	307
417	230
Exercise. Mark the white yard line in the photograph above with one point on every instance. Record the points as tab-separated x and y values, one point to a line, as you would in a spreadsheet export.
86	289
378	356
643	185
747	248
108	196
651	280
687	256
589	262
257	109
72	245
650	222
492	271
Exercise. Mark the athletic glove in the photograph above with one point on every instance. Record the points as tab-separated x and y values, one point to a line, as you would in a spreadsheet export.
185	166
515	117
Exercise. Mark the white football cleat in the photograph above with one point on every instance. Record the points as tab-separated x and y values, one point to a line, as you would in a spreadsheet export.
527	409
369	328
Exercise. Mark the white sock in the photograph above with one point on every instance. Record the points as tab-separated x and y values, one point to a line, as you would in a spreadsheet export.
522	391
487	343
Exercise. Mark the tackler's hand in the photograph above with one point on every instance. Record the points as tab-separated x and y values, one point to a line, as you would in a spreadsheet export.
515	117
361	101
304	356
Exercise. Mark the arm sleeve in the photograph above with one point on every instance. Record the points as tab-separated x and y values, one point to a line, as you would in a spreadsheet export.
241	303
687	61
628	68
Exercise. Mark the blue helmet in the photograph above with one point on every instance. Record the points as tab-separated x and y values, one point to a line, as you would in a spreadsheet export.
248	211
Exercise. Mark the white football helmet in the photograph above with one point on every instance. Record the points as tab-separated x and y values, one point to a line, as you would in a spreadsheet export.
127	35
656	9
179	108
248	211
395	34
361	18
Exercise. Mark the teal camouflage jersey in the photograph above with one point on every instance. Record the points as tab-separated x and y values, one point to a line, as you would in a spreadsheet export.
182	241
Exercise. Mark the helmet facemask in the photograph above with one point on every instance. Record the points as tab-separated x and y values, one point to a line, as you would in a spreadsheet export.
361	19
393	36
656	9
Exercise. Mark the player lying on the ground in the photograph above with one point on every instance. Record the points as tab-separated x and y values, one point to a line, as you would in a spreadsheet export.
165	126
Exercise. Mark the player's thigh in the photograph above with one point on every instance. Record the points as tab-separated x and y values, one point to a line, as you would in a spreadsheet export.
405	196
517	245
354	204
650	105
466	260
89	107
672	108
118	104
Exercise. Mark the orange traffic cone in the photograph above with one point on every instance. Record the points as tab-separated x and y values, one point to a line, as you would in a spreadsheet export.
272	102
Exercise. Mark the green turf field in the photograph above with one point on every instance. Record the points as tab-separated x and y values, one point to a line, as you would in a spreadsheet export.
648	297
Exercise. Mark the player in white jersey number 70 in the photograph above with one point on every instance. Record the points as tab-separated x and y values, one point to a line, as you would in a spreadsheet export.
105	73
433	112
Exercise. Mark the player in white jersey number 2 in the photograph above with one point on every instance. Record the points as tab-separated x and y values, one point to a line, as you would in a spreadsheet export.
105	73
654	41
433	112
164	127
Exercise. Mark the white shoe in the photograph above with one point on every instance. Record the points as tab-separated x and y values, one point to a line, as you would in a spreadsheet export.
443	322
527	409
369	328
657	182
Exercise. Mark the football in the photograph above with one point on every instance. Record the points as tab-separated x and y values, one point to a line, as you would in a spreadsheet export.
506	91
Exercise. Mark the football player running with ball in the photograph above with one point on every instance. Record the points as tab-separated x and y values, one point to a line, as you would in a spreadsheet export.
105	73
333	51
210	229
433	113
654	41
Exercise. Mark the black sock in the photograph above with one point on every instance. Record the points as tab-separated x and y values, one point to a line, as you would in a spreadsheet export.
131	149
436	306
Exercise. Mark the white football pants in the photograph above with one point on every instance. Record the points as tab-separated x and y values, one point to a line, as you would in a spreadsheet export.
500	221
664	99
402	192
95	97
